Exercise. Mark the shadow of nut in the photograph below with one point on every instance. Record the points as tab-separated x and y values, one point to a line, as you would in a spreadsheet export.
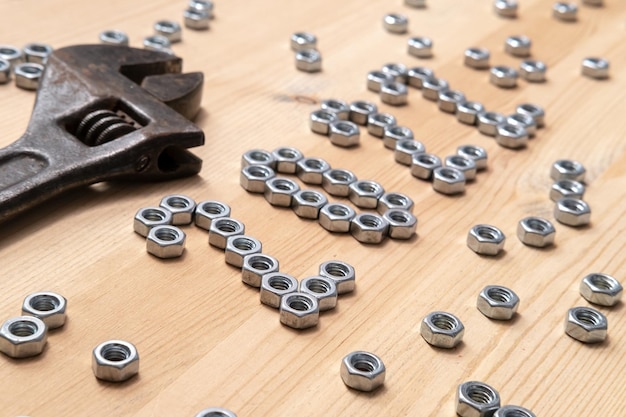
476	399
496	302
223	228
149	217
238	247
322	288
115	361
166	242
365	193
362	371
207	211
601	289
279	191
344	134
23	337
586	325
253	178
572	212
536	231
47	306
402	223
337	182
369	228
299	310
181	207
255	266
442	329
216	412
342	273
485	239
308	203
336	217
274	286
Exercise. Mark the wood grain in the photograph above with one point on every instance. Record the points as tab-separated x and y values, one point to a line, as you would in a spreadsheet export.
203	337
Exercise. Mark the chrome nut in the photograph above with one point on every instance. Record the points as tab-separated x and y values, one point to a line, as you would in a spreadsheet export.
238	247
565	12
274	286
535	231
166	242
365	193
254	177
518	46
498	303
196	19
505	8
567	169
303	40
402	223
393	134
339	107
344	133
181	207
466	165
567	189
336	217
417	75
320	121
369	228
37	53
309	60
311	170
477	399
396	23
503	76
206	6
389	201
477	58
485	239
11	53
222	228
337	182
489	121
405	149
513	411
279	191
597	68
572	212
23	337
394	93
448	180
537	113
525	121
377	122
423	165
258	157
362	371
533	71
115	361
217	412
286	159
360	110
342	273
511	136
601	289
308	203
449	99
375	80
432	86
397	71
149	217
441	329
321	288
420	47
255	266
48	306
113	37
157	43
467	112
207	211
475	153
415	3
586	325
27	75
169	29
299	311
5	71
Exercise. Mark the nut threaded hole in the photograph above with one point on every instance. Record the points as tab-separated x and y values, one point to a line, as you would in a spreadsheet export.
213	208
399	217
340	175
300	303
244	244
44	302
115	352
471	150
481	394
538	225
588	316
364	363
337	269
500	294
487	233
287	153
602	282
427	160
382	119
575	206
367	186
448	173
311	197
280	283
515	412
178	202
370	220
569	166
166	234
318	286
228	226
397	199
444	322
260	156
338	210
259	171
153	215
261	263
23	328
284	185
314	164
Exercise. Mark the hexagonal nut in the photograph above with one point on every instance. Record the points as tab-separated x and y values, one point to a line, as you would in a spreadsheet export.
303	40
396	23
274	286
27	75
336	217
169	29
299	310
572	212
369	228
256	266
477	58
567	169
497	302
207	211
115	361
337	182
322	288
423	165
339	107
601	289
518	46
206	6
280	191
344	134
432	86
394	93
286	159
23	337
181	207
420	47
378	122
360	111
308	203
362	371
567	189
524	120
586	325
476	399
238	247
258	157
393	200
113	37
448	180
536	231
537	112
449	99
397	71
149	217
5	71
253	178
466	165
342	273
196	19
417	75
320	121
309	60
511	136
505	8
513	411
597	68
365	193
393	134
311	170
441	329
216	412
223	228
485	239
166	242
476	153
402	224
37	52
503	76
467	112
376	78
488	122
405	149
48	306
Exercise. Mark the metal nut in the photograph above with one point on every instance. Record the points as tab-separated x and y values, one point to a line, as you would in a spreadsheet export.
286	159
475	153
222	228
254	177
323	289
365	193
27	75
536	231
394	134
567	169
37	53
506	8
442	330
389	201
337	182
238	247
169	29
477	58
308	203
320	121
181	207
48	306
525	121
567	189
586	325
466	165
256	266
448	180
417	75
467	112
402	223
5	71
415	3
423	165
572	212
375	80
518	46
394	93
601	289
396	23
533	110
405	149
274	286
397	71
432	86
360	110
513	411
115	361
503	76
113	37
420	47
157	43
342	274
566	12
279	191
166	242
217	412
336	217
149	217
362	371
299	311
597	68
311	170
476	399
309	60
497	302
378	122
258	157
533	71
196	19
344	133
489	121
206	6
511	136
23	337
449	99
207	211
485	239
339	107
11	54
369	228
303	40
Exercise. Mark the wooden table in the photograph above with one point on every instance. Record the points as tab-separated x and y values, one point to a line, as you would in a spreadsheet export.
204	338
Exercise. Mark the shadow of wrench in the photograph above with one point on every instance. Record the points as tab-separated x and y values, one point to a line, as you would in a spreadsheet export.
103	112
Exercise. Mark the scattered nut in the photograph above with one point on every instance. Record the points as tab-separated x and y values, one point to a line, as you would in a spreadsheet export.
196	19
518	46
149	217
308	203
488	122
392	200
420	47
402	223
238	247
169	29
309	60
303	40
511	136
336	217
505	8
217	412
394	134
342	273
475	153
369	228
365	193
533	110
27	75
448	180
11	54
567	189
397	71
476	399
394	93
222	228
378	122
254	177
5	71
417	75
286	159
375	80
466	165
256	266
567	169
181	207
157	43
503	76
601	289
320	121
258	157
311	170
586	325
572	212
339	107
405	149
321	288
362	371
477	58
497	302
207	211
597	68
166	242
299	311
523	120
279	191
449	99
344	133
206	6
432	86
485	239
424	164
535	231
113	37
47	306
23	337
337	182
442	330
115	361
513	411
396	23
360	111
533	71
37	53
467	112
274	286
